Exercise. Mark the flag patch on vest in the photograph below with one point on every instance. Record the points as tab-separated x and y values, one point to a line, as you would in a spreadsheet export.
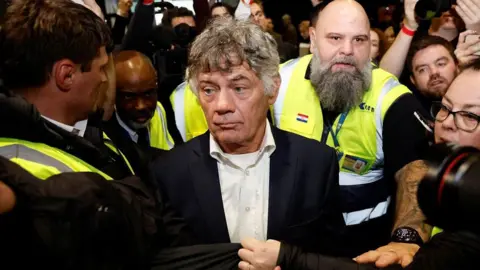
302	118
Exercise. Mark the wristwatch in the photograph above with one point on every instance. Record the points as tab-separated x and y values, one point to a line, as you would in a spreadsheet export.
407	235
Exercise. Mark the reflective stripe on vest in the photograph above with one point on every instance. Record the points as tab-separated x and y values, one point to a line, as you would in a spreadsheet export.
357	217
297	109
16	150
159	136
43	161
189	116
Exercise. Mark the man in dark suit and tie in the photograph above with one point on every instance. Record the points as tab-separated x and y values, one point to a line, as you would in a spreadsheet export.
137	111
245	178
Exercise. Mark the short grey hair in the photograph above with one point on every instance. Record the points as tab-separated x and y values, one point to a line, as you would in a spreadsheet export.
226	43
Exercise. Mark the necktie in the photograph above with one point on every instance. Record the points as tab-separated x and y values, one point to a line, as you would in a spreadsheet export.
143	138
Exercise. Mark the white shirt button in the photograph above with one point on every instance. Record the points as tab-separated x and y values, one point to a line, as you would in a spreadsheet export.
247	209
247	172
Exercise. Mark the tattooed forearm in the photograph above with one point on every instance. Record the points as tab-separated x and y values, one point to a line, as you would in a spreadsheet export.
408	212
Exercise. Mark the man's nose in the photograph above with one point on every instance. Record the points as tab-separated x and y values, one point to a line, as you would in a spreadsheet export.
347	48
140	104
433	72
225	102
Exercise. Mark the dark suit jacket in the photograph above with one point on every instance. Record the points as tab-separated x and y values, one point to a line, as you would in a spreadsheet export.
304	191
138	157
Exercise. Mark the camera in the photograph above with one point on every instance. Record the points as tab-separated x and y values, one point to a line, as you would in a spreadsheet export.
427	9
449	195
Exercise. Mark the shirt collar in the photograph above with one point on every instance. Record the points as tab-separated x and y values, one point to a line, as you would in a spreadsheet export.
268	144
133	134
78	129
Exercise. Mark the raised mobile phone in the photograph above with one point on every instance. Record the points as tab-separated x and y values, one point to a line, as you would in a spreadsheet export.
471	38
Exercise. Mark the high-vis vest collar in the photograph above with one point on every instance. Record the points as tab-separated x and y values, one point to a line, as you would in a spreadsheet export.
43	161
189	116
159	136
358	141
109	143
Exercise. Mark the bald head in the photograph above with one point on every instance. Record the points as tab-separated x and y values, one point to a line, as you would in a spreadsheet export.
343	10
136	88
134	70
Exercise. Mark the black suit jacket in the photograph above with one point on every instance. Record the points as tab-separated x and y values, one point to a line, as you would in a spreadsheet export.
304	192
138	157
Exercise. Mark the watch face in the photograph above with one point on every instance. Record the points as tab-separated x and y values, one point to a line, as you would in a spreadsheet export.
406	235
403	233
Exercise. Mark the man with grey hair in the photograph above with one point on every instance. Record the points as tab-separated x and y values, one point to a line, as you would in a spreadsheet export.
336	96
244	178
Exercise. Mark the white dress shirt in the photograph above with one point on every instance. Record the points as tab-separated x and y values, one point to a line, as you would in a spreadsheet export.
244	183
78	129
132	133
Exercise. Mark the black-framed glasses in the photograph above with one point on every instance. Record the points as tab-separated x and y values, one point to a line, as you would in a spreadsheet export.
464	120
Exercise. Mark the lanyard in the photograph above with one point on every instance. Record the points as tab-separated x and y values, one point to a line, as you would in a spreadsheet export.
343	116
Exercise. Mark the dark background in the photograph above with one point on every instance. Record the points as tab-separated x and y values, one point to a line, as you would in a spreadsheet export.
298	9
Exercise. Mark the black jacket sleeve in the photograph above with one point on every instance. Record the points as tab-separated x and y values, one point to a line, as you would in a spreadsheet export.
292	257
404	137
445	251
448	250
175	231
201	257
118	29
140	29
335	229
202	13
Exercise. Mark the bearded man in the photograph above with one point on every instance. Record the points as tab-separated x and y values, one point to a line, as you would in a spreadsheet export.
338	97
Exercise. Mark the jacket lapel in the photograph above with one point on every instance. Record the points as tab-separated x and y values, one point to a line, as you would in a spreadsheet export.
207	188
282	179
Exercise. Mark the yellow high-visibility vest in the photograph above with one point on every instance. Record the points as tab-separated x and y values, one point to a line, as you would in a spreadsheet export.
159	136
189	116
43	161
358	132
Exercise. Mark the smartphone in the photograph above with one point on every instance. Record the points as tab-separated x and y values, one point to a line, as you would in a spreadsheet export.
470	38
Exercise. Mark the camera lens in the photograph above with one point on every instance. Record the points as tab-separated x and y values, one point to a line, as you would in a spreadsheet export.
449	195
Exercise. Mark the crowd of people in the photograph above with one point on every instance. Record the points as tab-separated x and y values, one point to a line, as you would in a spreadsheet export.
210	141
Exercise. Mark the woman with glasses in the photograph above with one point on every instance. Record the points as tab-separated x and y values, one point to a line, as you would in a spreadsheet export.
457	116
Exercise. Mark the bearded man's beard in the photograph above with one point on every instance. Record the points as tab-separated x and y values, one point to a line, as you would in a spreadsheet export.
339	91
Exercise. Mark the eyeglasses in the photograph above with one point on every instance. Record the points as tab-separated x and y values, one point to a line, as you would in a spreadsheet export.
464	120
